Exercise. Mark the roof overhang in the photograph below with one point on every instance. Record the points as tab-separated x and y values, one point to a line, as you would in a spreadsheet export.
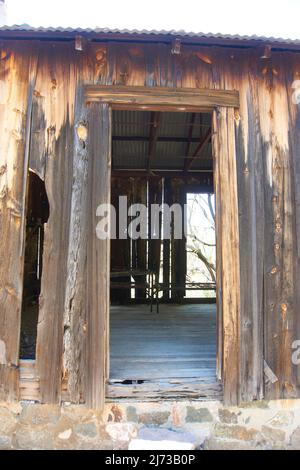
26	32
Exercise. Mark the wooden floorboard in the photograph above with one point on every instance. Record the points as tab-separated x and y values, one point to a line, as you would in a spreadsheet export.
167	354
170	355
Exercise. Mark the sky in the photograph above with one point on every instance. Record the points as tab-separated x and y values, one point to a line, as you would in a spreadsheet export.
262	17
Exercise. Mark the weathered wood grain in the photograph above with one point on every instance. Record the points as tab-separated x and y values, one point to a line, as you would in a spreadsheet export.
292	71
266	130
17	75
74	338
180	342
98	254
235	72
225	155
58	90
187	97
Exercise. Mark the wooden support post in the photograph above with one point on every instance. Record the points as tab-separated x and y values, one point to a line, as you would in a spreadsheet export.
227	231
98	254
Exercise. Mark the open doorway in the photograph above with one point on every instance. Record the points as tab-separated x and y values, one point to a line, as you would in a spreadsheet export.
163	262
36	216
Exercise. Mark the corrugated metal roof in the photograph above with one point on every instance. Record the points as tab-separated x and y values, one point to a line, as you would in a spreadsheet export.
143	32
131	133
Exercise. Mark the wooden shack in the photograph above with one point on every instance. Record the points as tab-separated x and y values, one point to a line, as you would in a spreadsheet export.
66	97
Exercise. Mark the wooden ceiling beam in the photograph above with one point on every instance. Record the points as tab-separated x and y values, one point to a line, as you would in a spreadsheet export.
161	173
190	136
154	123
199	148
141	138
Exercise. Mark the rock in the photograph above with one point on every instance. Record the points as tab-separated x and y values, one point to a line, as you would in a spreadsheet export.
295	439
8	421
37	438
201	415
40	414
78	413
178	413
255	404
96	445
5	443
273	435
116	413
162	439
235	432
227	417
131	414
86	429
121	431
282	419
227	444
65	434
156	418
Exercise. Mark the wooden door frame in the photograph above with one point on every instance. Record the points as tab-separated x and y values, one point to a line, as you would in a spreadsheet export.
221	104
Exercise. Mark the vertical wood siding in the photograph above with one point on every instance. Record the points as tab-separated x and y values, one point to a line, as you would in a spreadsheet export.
17	78
267	139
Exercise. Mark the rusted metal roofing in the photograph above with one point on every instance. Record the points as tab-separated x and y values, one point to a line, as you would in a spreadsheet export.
152	34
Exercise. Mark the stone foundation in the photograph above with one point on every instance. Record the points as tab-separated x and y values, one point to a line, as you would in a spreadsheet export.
258	425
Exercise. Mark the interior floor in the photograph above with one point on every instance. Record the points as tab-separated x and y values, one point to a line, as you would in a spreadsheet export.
177	343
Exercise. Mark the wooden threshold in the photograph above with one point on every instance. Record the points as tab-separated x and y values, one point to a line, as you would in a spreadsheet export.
175	389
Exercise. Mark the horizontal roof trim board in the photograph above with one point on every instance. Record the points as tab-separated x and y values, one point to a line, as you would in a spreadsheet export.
27	31
181	99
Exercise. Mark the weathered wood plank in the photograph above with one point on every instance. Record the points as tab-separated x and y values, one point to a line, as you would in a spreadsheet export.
17	74
92	67
37	157
162	96
74	357
58	88
225	155
98	254
231	71
292	71
217	191
165	391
